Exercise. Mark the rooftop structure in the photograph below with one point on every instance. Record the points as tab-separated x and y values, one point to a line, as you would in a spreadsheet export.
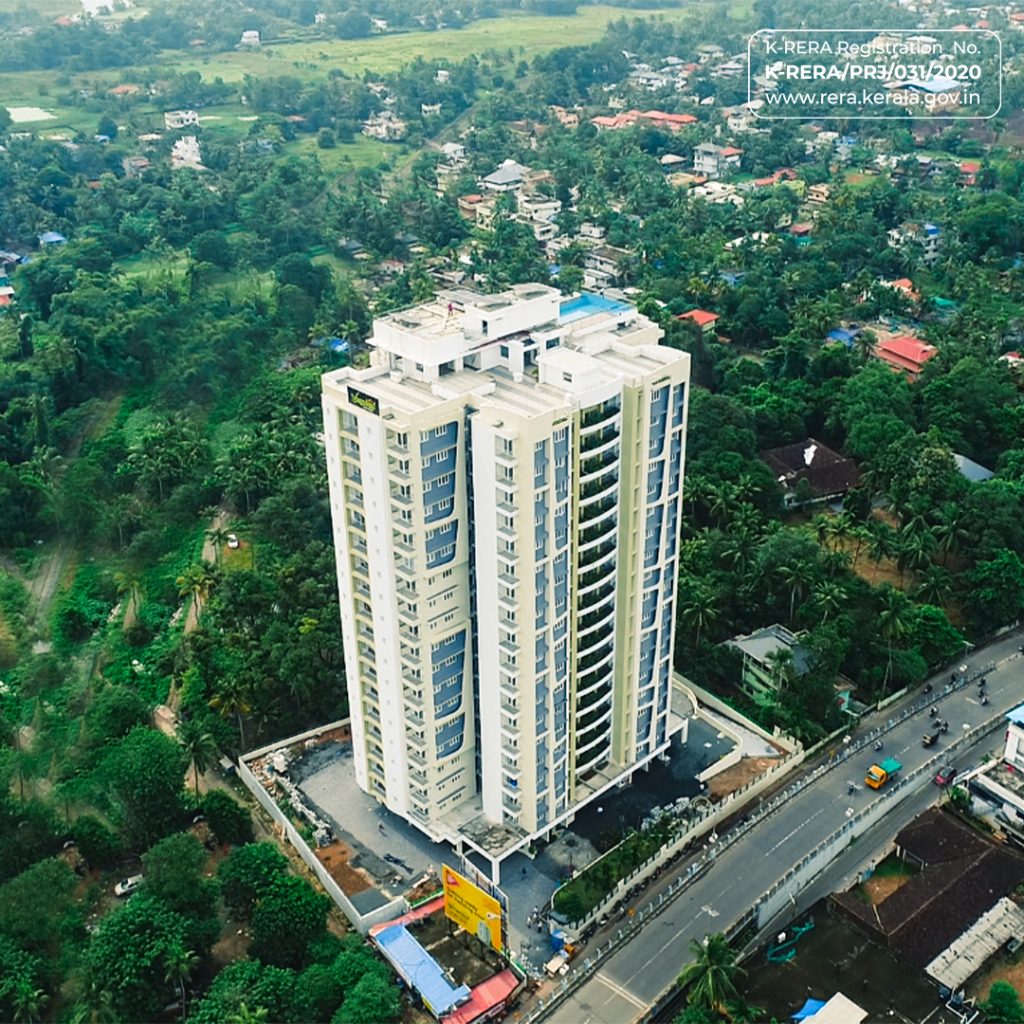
810	471
905	353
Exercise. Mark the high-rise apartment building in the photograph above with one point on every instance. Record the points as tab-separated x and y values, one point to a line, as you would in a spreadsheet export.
506	487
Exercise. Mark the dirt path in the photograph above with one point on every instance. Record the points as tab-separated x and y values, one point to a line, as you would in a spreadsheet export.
47	579
209	554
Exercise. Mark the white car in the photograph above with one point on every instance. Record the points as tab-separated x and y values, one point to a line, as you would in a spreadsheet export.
128	885
232	540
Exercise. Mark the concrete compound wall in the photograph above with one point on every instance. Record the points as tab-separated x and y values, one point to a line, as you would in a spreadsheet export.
361	922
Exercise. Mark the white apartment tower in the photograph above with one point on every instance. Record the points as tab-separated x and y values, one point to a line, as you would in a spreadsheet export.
506	486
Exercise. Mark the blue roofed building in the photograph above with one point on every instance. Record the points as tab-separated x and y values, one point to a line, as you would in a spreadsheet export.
51	238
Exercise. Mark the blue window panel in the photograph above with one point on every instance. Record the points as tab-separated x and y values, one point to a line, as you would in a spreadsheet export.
441	510
560	778
561	627
441	544
561	481
450	729
651	555
542	813
540	507
454	644
655	517
432	444
441	463
655	478
675	464
651	578
451	690
443	673
439	490
561	445
452	746
650	610
678	404
643	722
659	421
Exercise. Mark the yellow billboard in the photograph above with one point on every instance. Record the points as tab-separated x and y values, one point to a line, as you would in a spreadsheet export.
471	908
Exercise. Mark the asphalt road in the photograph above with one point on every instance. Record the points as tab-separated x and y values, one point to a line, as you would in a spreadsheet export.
633	978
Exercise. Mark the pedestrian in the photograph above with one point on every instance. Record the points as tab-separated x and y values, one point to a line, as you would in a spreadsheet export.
380	827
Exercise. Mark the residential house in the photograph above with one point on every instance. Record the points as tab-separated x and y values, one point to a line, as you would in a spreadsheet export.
48	238
819	194
905	353
250	37
453	153
959	886
605	265
904	286
769	654
971	470
174	120
566	118
651	118
926	237
802	231
506	178
672	162
471	205
717	193
590	232
135	166
810	472
442	76
714	161
384	125
703	319
969	170
430	109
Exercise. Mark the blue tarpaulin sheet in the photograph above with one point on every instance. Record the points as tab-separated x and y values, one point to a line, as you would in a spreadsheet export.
809	1009
420	970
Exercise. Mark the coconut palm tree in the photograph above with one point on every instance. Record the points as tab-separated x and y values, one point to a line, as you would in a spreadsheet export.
218	537
197	581
712	976
199	745
796	578
829	598
934	585
698	609
780	667
893	622
233	697
949	530
179	965
29	1003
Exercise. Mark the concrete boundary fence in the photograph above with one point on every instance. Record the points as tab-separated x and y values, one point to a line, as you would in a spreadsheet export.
361	922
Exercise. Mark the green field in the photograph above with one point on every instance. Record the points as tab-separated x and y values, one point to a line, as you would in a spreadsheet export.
527	35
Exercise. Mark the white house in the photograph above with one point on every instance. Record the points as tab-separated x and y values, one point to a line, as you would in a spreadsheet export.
250	37
174	120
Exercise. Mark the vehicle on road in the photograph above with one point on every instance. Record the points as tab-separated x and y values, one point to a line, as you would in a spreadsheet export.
879	774
128	885
929	739
945	775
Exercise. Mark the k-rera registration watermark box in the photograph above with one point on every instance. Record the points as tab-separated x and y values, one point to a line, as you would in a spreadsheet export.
807	74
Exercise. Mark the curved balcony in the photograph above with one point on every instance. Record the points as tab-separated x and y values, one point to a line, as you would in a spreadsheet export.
599	615
594	533
593	659
597	509
594	640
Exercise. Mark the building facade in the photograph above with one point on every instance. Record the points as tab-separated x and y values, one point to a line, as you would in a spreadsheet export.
506	485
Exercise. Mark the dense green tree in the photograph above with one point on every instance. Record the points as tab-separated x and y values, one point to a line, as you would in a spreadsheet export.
1004	1004
230	821
127	956
288	917
144	773
373	1000
247	873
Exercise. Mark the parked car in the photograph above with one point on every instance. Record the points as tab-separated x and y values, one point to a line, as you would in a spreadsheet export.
929	739
232	540
128	885
945	775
